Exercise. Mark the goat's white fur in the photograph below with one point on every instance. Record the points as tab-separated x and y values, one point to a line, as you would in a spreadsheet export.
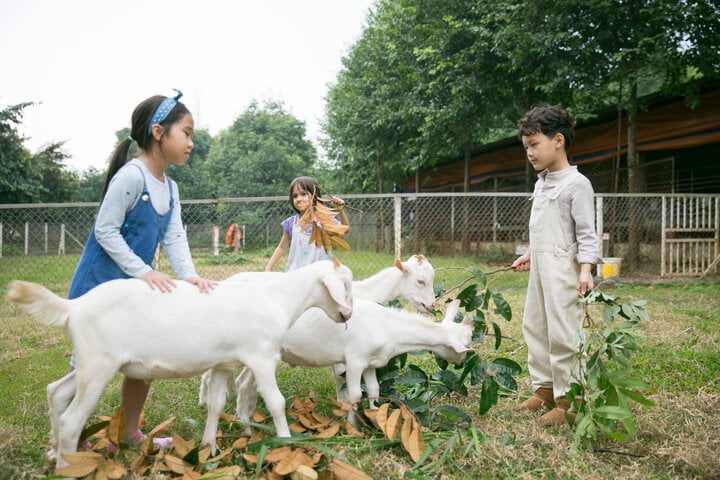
412	280
124	325
374	335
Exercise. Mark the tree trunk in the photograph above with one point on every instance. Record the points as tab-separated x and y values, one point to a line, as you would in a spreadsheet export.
381	222
633	252
466	201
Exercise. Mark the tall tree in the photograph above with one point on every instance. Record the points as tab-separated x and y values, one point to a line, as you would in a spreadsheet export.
369	120
19	183
612	53
58	183
260	153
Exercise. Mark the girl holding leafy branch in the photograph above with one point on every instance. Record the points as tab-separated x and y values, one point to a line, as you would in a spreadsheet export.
313	230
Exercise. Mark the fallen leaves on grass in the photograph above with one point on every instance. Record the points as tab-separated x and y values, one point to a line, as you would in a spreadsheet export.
312	455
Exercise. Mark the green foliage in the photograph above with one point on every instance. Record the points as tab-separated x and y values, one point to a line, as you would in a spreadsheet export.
192	178
417	388
259	154
608	383
18	182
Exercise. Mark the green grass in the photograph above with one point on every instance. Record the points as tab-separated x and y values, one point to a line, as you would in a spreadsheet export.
680	360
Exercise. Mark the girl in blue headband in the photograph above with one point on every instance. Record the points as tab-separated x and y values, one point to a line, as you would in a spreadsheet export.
140	210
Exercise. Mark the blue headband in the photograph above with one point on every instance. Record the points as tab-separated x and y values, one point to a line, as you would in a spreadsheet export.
164	109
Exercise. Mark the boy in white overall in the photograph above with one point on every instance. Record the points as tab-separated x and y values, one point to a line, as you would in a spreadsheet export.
563	248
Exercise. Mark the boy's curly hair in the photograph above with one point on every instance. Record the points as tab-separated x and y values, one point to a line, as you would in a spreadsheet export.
548	121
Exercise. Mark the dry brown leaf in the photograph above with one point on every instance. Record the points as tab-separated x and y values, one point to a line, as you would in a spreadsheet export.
381	416
182	446
101	474
231	472
308	422
303	405
114	469
351	430
417	443
80	463
240	443
258	417
413	441
320	219
344	471
391	427
249	457
296	427
291	462
405	434
176	464
138	464
204	454
222	454
162	427
191	475
116	428
303	472
277	454
340	244
321	419
371	414
329	432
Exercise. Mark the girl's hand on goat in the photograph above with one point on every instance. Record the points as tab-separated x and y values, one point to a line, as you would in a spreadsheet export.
159	280
203	284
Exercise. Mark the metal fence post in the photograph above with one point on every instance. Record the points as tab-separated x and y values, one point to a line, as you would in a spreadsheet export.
397	207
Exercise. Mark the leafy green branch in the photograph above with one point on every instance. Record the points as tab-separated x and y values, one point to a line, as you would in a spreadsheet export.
608	384
417	388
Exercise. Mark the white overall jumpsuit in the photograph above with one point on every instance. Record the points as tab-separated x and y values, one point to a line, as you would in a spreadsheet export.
553	316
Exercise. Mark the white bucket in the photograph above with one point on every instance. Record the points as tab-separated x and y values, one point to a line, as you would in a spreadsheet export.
610	267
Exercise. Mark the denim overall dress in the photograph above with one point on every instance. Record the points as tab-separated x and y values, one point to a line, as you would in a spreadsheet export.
143	229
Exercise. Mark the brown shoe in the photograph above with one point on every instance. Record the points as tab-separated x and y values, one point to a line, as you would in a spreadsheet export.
558	415
542	399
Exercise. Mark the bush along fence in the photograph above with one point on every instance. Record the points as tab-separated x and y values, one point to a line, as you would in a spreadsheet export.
643	234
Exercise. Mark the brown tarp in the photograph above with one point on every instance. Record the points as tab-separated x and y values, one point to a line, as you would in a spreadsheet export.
666	127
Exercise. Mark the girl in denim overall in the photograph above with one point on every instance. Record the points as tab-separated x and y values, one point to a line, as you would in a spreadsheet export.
140	210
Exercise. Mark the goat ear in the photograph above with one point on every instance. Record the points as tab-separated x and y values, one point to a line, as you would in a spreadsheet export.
336	288
451	311
335	261
460	348
400	266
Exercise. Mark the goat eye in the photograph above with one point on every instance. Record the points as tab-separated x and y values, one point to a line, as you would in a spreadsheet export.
421	283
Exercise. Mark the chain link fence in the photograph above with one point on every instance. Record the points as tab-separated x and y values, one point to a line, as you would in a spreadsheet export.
489	228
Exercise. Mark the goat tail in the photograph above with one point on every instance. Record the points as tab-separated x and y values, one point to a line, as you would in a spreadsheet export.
39	302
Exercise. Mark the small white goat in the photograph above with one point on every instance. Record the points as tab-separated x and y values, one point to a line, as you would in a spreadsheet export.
412	280
374	335
125	326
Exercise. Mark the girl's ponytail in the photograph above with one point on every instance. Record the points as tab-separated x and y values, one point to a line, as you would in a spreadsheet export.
117	161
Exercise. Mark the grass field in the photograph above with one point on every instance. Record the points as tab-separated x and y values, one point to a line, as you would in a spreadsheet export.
680	360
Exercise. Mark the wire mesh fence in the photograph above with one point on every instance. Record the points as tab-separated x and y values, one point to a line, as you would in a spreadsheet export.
490	228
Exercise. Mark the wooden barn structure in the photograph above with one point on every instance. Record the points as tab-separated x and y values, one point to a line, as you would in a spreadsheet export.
679	149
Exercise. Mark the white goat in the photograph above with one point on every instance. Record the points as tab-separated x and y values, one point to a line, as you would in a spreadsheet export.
125	326
412	280
374	335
